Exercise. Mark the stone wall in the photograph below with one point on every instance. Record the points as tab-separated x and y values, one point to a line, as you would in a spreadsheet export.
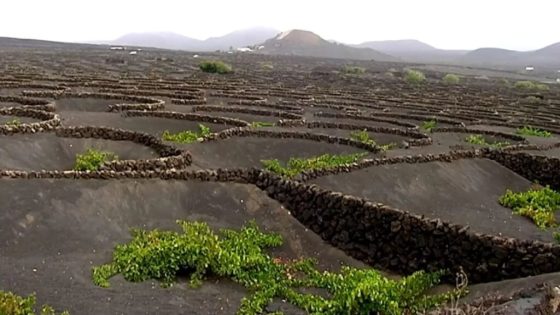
49	120
403	242
187	116
170	157
542	169
365	118
245	110
251	132
374	233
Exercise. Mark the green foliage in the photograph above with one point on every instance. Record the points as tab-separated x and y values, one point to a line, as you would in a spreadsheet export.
13	122
364	137
530	131
11	304
92	160
451	79
215	67
414	77
296	166
539	204
533	100
353	70
479	140
187	136
240	256
429	125
530	86
260	124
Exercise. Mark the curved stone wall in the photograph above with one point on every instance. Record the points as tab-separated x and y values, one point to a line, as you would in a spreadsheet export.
49	120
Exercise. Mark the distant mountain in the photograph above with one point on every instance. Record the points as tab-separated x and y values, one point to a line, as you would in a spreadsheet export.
413	50
396	46
547	57
305	43
167	40
241	38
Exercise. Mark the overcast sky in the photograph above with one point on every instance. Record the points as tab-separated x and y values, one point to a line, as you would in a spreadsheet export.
451	24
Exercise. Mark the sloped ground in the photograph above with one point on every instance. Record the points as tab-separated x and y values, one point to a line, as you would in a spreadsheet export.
58	230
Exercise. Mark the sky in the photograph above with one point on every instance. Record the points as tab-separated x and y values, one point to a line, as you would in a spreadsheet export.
448	24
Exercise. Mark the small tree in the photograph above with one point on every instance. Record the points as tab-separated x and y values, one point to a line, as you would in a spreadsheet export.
451	79
414	77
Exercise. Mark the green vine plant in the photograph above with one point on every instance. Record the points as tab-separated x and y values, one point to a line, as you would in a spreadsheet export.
187	136
93	159
11	304
296	166
531	131
260	124
364	137
479	140
429	125
240	255
539	204
13	122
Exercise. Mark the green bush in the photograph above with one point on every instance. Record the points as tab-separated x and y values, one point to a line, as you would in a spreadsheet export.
530	131
364	137
538	204
353	70
92	160
429	125
414	77
296	166
11	304
451	79
215	67
530	86
187	136
240	255
479	140
13	122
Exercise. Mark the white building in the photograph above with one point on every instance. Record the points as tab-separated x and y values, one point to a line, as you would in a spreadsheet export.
529	68
133	52
244	49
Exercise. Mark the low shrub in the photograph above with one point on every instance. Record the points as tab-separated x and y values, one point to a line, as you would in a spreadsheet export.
364	137
296	166
530	131
240	255
13	122
414	77
530	86
215	67
353	70
539	204
260	124
187	136
479	140
429	125
451	79
92	160
11	304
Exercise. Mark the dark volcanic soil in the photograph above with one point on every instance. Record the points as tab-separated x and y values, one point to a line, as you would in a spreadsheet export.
46	151
59	229
464	192
151	125
249	151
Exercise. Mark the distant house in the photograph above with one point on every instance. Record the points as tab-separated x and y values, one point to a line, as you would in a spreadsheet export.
195	56
529	68
134	52
117	48
244	49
